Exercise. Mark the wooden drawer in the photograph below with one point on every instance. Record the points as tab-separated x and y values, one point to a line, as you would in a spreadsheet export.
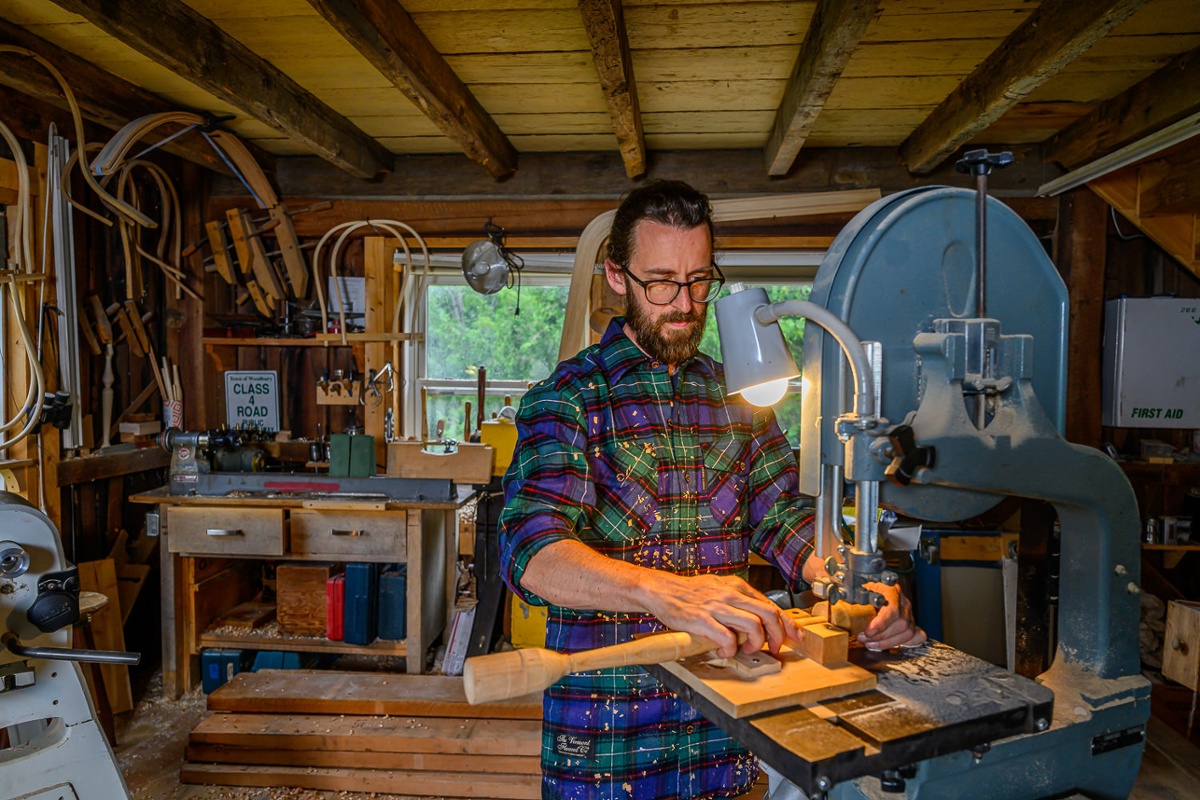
357	535
226	531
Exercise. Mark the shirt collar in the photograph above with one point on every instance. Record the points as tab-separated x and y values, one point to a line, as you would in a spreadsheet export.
618	354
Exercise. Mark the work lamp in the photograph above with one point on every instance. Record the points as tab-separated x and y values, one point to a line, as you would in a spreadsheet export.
758	364
487	264
757	361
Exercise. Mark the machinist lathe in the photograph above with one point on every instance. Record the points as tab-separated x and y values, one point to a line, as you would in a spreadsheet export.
636	493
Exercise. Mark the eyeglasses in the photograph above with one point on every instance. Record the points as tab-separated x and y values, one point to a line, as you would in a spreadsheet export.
662	292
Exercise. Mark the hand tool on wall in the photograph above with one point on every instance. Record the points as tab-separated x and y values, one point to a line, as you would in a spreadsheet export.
252	256
515	673
289	243
220	247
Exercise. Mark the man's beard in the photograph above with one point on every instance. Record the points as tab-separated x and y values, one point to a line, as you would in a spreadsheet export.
661	344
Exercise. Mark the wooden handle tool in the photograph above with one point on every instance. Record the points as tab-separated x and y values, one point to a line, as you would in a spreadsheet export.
501	676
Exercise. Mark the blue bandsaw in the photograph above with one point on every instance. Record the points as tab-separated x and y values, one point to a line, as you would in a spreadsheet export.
963	406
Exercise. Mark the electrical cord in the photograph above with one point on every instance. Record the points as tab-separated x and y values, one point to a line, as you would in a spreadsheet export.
403	301
11	284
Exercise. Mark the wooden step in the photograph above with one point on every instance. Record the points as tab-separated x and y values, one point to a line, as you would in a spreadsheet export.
431	762
383	734
406	782
361	693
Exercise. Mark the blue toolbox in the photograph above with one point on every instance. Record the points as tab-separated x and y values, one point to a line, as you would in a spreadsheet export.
393	610
362	603
218	665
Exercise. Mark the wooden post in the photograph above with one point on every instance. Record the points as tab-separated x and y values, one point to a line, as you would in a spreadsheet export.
185	345
1080	253
381	301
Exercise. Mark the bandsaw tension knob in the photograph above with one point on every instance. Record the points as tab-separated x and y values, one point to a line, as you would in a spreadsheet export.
981	162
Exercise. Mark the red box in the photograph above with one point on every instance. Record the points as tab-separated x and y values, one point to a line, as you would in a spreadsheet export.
335	605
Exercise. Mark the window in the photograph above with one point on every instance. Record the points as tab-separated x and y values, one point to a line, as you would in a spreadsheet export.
465	330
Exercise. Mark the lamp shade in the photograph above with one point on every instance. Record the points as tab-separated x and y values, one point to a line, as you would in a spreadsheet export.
485	267
754	354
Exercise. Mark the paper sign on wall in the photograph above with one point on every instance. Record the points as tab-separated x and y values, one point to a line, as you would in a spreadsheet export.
252	398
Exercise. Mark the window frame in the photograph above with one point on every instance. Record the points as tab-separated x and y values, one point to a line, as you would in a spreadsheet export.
755	268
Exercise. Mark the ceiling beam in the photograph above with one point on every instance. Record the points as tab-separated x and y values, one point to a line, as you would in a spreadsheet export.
586	175
834	33
387	37
605	25
1049	39
183	41
103	98
1161	99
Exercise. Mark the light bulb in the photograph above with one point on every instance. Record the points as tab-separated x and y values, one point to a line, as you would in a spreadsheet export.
766	394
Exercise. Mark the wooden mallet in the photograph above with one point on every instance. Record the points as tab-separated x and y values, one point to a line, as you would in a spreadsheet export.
515	673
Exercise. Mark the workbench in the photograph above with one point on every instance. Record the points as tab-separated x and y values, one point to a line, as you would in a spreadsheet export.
206	542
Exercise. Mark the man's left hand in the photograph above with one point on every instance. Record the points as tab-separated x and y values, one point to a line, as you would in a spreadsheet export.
893	625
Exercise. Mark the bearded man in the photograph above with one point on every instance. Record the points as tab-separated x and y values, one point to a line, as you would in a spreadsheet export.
637	491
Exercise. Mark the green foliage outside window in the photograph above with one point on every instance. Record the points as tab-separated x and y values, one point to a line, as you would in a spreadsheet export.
466	330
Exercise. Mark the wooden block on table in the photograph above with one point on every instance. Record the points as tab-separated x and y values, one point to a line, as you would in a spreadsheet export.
825	643
300	598
1181	644
850	616
753	665
107	631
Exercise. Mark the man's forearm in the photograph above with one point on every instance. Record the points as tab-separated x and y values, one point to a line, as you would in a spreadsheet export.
570	574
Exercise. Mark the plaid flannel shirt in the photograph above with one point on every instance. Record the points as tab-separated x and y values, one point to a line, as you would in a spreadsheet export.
662	471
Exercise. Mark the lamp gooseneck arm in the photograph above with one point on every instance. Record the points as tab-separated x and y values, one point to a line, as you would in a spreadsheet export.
864	378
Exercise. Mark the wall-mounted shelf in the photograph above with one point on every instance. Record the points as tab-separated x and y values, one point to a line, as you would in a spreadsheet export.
1172	554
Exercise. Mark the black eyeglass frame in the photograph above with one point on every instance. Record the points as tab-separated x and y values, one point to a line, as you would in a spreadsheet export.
719	280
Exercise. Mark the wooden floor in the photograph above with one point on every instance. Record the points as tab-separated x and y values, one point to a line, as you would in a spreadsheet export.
151	743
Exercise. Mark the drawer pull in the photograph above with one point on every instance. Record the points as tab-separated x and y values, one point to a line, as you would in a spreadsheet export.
336	532
224	532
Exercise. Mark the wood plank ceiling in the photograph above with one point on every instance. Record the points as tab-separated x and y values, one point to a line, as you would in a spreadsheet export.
359	82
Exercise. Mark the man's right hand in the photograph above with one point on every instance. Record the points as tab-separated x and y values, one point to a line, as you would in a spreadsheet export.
723	608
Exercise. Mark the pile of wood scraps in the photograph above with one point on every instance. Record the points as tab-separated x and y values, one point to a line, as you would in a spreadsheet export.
369	732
